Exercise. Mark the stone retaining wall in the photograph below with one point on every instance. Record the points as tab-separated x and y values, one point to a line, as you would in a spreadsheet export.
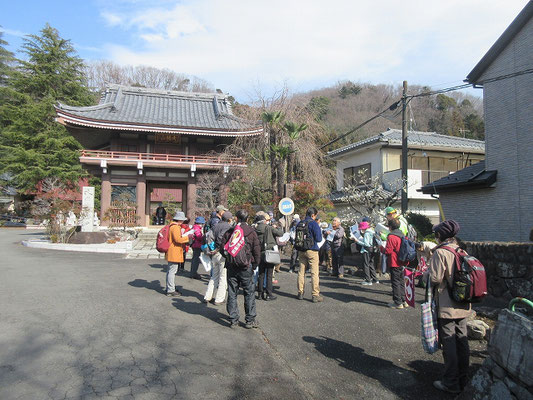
507	373
509	267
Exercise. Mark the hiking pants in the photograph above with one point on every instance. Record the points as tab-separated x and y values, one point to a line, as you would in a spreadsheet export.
337	258
172	268
456	352
398	285
218	281
268	270
368	266
294	259
243	278
309	259
195	262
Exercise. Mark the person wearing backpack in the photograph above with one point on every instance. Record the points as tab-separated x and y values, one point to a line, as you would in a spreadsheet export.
308	235
451	315
368	251
391	250
175	255
240	267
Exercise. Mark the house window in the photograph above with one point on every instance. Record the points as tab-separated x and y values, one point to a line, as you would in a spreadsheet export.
357	175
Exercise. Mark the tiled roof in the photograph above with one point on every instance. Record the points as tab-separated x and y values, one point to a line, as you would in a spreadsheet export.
416	139
473	176
131	106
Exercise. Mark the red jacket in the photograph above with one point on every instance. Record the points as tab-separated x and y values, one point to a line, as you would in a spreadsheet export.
393	248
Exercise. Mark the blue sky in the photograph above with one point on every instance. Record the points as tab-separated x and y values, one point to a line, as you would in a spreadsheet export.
244	45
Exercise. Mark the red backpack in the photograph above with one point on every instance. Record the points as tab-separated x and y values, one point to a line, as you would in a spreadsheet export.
162	243
469	282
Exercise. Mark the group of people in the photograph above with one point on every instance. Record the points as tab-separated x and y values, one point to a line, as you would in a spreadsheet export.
311	239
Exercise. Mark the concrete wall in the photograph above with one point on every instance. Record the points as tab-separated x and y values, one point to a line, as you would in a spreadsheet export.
508	107
366	155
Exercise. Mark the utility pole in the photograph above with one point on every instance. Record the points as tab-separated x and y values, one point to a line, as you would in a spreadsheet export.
404	149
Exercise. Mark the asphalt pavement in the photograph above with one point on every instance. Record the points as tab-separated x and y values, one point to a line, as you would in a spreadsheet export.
85	325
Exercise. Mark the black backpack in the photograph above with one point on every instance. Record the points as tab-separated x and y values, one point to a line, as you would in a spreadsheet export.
303	240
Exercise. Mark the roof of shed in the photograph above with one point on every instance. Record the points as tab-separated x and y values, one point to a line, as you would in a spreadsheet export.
473	176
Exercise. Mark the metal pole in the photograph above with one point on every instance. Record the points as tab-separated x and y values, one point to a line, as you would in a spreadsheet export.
404	149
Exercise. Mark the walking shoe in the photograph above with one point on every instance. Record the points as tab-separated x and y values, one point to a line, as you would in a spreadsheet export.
405	305
291	271
441	386
340	276
366	283
234	325
318	299
376	281
300	296
251	324
269	297
397	306
174	294
205	301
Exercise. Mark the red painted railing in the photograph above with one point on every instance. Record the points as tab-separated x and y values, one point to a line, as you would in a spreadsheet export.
177	158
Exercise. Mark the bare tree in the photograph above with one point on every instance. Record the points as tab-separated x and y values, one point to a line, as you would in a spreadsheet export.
102	73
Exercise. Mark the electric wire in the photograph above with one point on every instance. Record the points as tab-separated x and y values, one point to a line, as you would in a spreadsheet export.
394	105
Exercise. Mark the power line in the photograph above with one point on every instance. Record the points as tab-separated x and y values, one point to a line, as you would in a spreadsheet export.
393	106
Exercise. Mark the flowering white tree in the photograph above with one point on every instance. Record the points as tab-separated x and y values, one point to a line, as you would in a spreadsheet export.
370	196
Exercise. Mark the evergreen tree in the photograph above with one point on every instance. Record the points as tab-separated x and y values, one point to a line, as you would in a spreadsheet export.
32	145
6	61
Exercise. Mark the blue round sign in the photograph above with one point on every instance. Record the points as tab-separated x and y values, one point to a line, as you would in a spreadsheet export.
286	206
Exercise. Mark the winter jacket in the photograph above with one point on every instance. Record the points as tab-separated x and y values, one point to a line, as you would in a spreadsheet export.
314	231
219	230
440	273
175	253
368	241
198	237
267	235
394	241
250	239
338	238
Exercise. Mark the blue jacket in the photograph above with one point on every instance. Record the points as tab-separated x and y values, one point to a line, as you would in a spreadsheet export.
314	231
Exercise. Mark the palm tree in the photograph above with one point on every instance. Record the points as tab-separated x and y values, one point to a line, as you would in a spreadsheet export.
293	131
272	121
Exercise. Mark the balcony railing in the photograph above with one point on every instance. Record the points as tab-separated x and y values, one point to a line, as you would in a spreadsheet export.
148	158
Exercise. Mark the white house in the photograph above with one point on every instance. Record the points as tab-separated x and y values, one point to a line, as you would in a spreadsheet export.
494	201
430	157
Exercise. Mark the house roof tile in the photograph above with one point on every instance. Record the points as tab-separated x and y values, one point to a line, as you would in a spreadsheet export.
393	137
161	108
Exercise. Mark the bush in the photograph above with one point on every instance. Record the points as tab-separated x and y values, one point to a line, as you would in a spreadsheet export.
421	223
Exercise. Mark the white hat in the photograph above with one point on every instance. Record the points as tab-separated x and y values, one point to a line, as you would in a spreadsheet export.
179	216
296	216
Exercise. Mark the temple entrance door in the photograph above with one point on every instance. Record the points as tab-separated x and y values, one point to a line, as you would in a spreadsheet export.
172	196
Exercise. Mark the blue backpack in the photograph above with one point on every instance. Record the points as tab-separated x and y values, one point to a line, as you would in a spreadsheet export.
407	251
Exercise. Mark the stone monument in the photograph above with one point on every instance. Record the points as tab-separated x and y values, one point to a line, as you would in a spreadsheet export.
87	209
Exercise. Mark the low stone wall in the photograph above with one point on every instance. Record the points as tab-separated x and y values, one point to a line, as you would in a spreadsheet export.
509	267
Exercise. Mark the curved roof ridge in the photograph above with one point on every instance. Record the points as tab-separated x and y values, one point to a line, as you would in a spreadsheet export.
138	89
101	106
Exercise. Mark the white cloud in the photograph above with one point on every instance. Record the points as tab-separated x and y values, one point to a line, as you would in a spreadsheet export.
312	42
13	32
111	19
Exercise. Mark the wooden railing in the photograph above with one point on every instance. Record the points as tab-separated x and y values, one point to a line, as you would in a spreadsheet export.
177	158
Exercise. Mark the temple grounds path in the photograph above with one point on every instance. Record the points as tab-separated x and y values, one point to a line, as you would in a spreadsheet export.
85	325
